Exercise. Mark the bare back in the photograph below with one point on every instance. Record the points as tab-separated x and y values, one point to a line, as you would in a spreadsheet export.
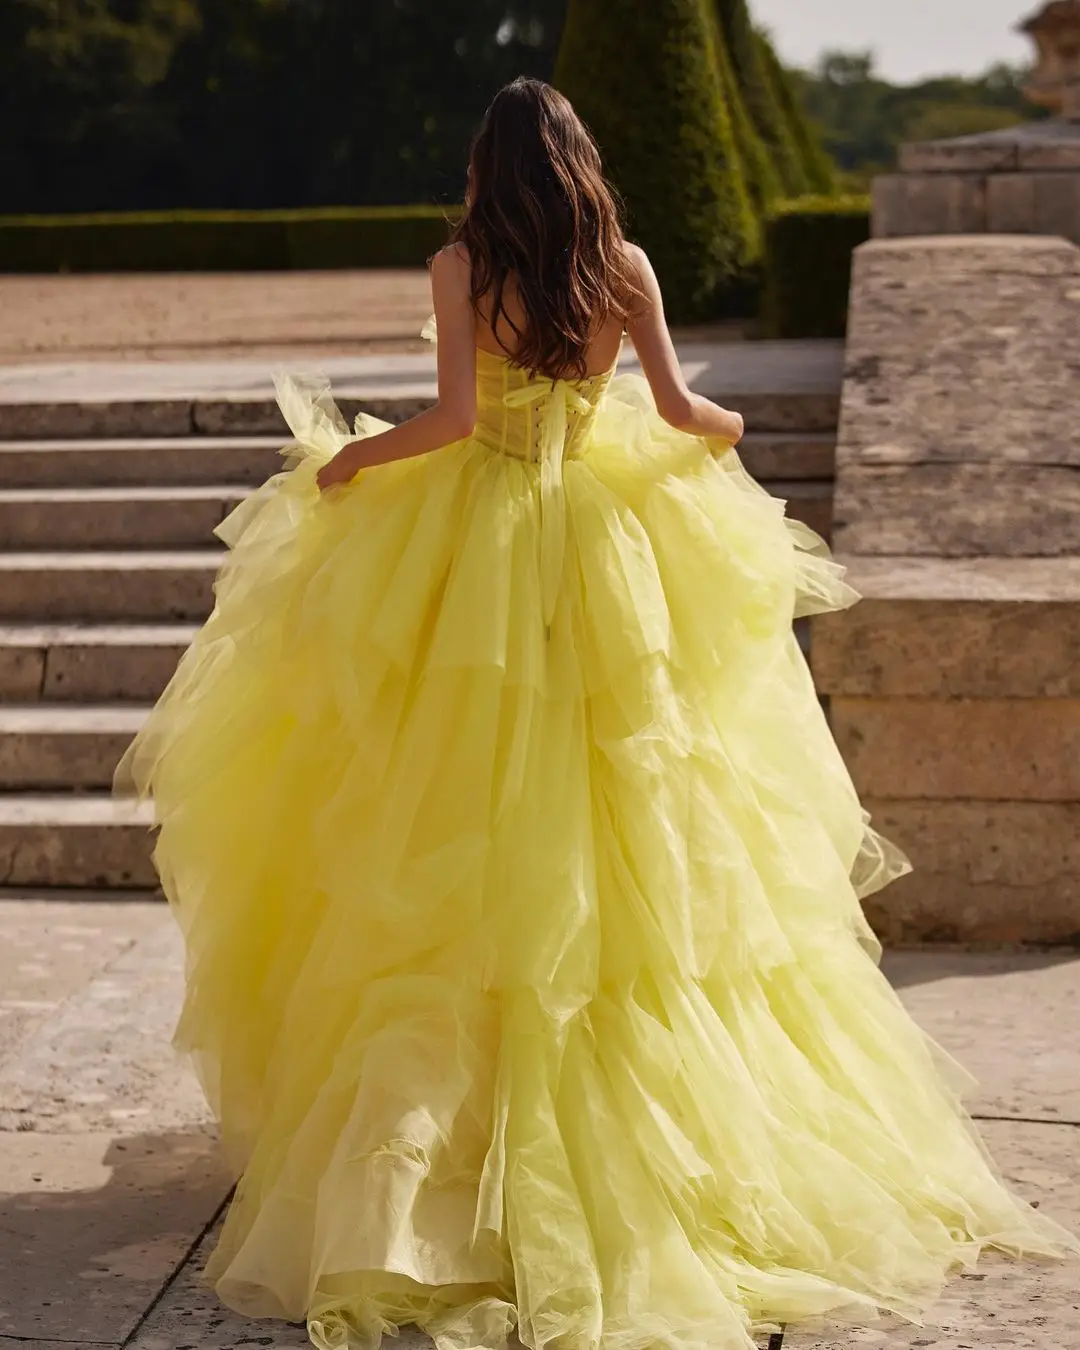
467	330
602	352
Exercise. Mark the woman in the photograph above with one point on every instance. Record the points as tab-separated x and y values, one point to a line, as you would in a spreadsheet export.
518	870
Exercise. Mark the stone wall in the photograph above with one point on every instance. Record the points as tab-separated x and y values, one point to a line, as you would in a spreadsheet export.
959	427
1024	180
954	687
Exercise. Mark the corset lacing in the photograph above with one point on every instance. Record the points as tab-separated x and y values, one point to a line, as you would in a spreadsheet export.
553	432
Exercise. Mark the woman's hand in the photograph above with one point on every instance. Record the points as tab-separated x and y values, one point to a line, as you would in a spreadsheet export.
719	445
342	469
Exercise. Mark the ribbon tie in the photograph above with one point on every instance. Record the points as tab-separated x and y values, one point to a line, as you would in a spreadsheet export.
564	397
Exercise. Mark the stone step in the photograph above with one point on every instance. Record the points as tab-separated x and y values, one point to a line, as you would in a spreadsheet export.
132	518
777	386
808	501
80	894
98	663
95	663
246	461
162	586
49	748
124	587
772	455
92	842
114	518
149	461
230	415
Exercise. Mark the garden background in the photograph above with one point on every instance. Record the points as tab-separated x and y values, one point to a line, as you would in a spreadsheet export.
266	134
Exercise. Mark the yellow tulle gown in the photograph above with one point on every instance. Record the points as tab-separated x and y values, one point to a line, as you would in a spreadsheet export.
519	876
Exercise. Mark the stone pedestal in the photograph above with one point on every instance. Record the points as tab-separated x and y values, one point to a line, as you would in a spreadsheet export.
960	416
954	687
1023	180
1020	180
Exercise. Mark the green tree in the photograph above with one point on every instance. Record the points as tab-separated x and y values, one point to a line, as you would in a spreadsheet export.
76	76
864	119
116	104
938	121
646	81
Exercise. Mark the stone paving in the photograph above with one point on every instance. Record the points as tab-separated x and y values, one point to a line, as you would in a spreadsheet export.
171	339
773	367
779	386
112	1183
182	315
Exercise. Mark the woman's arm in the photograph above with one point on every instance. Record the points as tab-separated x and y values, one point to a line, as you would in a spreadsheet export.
454	414
676	404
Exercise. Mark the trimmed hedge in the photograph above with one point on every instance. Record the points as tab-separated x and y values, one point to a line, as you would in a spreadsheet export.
758	97
761	173
645	79
224	241
808	246
818	173
807	250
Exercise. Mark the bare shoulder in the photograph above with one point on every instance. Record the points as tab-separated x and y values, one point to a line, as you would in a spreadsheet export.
643	274
452	260
636	256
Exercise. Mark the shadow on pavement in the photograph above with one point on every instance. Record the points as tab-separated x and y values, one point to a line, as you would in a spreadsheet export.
93	1227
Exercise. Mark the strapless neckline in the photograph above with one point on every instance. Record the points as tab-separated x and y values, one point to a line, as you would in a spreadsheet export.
503	359
429	333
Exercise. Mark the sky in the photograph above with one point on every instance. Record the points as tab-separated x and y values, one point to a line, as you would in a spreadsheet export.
911	38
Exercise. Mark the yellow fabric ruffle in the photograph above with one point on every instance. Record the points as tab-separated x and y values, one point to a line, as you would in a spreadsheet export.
520	877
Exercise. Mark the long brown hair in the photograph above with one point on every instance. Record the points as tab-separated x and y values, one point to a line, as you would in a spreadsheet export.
539	209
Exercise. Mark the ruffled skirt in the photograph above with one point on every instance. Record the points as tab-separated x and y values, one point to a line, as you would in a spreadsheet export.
526	967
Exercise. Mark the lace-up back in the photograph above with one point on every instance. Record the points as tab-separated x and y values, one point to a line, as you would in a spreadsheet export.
542	421
512	409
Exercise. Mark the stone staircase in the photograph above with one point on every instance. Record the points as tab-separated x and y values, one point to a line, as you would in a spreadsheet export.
107	560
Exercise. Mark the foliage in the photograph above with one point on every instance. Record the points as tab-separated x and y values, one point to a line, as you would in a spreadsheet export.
762	174
142	104
158	104
700	129
808	246
864	120
114	104
648	84
756	82
206	241
817	169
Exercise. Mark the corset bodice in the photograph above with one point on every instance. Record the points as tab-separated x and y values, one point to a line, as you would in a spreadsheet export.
521	416
542	421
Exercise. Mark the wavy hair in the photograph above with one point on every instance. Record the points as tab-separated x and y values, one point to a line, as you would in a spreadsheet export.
539	209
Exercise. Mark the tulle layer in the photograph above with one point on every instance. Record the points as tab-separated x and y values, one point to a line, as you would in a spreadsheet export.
527	971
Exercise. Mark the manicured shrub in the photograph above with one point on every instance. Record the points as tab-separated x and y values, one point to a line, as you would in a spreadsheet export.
188	241
646	81
817	171
758	95
374	236
761	173
807	265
